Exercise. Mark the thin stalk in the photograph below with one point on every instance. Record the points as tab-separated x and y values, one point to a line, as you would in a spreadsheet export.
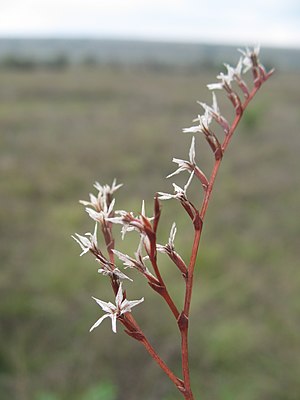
186	309
185	364
178	383
133	324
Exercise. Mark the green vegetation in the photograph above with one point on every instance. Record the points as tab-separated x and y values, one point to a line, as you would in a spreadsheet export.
60	130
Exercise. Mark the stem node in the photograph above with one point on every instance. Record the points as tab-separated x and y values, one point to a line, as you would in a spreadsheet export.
198	222
183	321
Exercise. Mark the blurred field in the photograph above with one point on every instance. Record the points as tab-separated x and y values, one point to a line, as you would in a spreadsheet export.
62	130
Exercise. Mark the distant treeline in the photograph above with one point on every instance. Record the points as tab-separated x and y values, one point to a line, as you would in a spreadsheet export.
27	63
61	53
63	61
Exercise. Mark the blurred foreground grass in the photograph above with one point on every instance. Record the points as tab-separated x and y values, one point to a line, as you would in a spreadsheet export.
62	130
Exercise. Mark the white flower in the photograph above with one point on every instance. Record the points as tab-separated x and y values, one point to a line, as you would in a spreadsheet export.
179	193
214	112
214	109
183	164
102	214
113	311
204	121
106	189
109	269
104	199
111	272
169	247
137	262
237	71
126	219
214	86
87	242
250	58
130	222
94	202
126	259
225	81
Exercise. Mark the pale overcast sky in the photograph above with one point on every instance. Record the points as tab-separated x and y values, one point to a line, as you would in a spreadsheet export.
268	22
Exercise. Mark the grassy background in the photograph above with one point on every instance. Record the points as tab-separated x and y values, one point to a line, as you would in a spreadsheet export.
62	130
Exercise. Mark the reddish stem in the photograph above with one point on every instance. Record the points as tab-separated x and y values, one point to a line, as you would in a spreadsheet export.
130	323
163	289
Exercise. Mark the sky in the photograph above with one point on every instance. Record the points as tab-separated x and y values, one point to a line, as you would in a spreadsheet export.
268	22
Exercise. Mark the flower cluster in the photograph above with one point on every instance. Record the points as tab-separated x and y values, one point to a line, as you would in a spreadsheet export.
248	60
102	204
101	209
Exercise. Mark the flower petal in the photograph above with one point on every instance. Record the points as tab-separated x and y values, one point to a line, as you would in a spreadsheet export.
128	305
107	307
98	322
192	151
113	323
119	296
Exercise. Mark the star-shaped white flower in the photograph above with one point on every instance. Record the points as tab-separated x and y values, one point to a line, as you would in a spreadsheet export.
169	247
237	71
179	193
250	57
109	269
94	202
113	311
87	242
130	222
214	112
184	165
225	79
103	214
204	122
106	189
102	204
104	197
138	262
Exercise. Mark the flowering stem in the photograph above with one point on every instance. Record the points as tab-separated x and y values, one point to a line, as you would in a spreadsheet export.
197	236
103	213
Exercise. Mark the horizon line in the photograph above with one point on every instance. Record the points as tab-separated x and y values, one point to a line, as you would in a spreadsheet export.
208	42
